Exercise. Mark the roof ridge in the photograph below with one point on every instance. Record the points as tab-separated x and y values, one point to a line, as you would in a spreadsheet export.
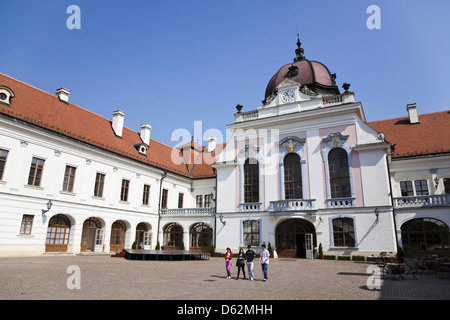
406	117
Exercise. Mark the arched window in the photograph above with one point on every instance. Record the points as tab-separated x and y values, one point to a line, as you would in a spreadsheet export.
200	237
143	235
343	232
292	177
173	236
339	174
425	234
58	232
117	240
251	181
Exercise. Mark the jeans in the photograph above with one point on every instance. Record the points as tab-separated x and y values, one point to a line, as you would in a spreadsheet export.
228	266
250	270
239	267
264	270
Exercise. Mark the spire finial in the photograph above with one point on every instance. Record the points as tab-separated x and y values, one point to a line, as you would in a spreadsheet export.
299	51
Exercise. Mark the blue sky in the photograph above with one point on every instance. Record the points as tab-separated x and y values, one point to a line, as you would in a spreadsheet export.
170	63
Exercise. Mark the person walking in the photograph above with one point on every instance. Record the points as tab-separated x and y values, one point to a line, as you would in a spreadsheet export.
264	259
240	263
250	256
228	257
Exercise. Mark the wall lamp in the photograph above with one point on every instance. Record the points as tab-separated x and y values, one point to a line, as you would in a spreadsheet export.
221	219
377	213
436	182
49	206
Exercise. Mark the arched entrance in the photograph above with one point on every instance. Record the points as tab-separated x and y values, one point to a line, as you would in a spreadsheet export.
173	236
425	236
143	235
92	235
118	231
200	237
295	238
58	232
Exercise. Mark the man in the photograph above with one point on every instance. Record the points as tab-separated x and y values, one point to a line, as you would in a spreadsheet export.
250	256
264	259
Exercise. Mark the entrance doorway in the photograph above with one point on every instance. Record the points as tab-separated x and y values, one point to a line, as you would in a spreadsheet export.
92	236
117	241
58	232
295	238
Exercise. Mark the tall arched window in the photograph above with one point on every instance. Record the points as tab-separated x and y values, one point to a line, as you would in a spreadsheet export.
292	177
251	181
339	174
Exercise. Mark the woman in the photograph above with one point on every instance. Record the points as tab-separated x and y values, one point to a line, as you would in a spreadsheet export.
240	263
228	257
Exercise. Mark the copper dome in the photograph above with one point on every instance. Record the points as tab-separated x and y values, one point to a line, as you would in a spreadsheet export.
313	74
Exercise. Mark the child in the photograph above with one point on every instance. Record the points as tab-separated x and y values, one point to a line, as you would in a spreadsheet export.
228	257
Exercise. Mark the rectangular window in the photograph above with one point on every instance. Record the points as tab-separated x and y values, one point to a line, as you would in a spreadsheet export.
3	156
35	175
447	185
407	188
199	201
124	190
207	200
165	194
27	223
251	232
69	179
180	200
99	183
343	232
421	187
146	194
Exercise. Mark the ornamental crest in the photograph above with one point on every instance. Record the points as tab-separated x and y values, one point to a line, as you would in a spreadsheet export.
291	142
335	140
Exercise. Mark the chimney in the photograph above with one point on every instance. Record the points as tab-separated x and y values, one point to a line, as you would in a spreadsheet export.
145	133
211	144
117	122
63	94
412	111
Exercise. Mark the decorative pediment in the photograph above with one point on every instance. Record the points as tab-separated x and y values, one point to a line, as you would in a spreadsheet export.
335	140
291	142
287	84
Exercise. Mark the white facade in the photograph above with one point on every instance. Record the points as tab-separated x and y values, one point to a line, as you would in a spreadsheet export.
18	198
311	128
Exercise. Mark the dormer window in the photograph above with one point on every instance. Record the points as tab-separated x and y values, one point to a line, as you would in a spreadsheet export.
5	95
141	148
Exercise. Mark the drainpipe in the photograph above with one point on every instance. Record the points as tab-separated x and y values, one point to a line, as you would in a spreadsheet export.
215	213
159	203
392	200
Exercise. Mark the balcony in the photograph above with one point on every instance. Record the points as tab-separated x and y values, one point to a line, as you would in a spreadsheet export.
341	203
250	207
438	200
292	205
188	212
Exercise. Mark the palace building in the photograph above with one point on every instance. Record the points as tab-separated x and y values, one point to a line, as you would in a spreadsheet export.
302	170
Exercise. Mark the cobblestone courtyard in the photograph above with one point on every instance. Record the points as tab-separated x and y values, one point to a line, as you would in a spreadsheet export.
105	277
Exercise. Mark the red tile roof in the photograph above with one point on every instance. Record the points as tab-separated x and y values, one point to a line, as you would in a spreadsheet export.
46	110
430	136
